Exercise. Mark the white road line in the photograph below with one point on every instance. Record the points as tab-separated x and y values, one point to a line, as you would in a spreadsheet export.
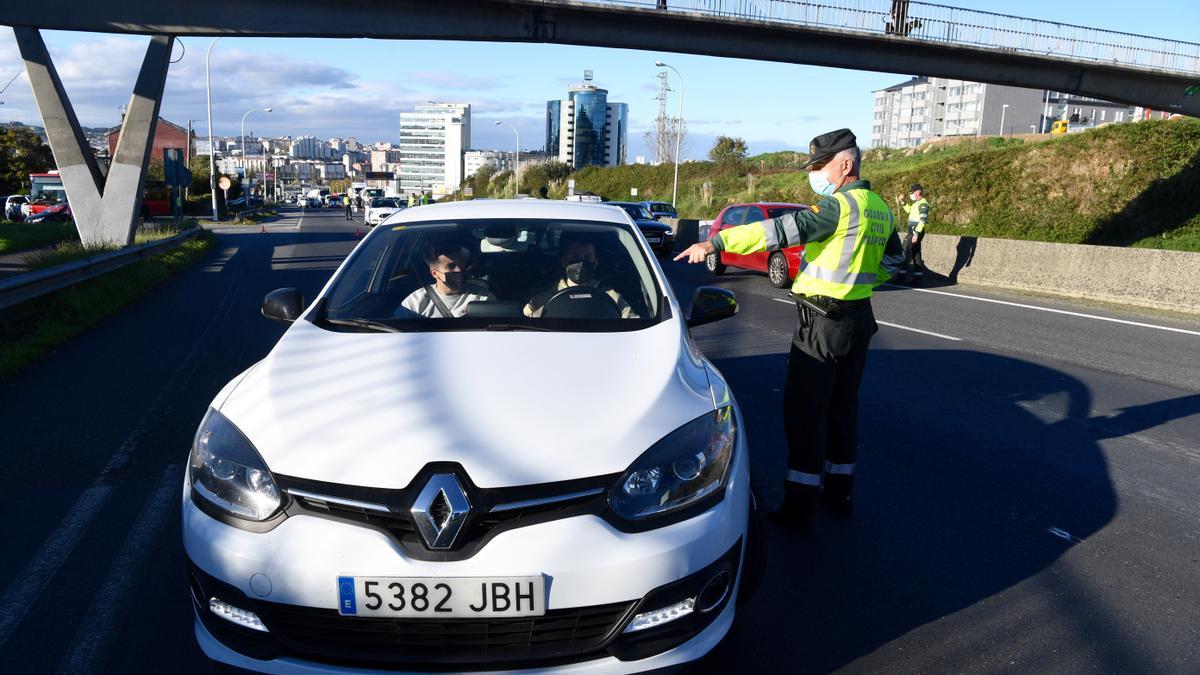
895	325
918	330
90	648
23	591
21	594
1050	309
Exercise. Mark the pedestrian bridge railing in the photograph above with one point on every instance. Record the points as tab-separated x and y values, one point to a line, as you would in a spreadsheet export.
930	23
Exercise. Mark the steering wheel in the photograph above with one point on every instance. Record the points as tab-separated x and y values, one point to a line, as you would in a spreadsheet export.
581	302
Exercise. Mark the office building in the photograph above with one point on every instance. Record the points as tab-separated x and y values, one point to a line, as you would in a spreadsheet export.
927	108
586	129
433	139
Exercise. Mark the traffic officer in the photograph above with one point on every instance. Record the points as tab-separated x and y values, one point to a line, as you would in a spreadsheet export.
918	216
346	203
850	247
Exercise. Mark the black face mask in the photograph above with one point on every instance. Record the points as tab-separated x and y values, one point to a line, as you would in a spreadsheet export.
582	272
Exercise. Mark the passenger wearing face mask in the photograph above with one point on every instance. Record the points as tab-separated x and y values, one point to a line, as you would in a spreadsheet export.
451	291
579	262
850	248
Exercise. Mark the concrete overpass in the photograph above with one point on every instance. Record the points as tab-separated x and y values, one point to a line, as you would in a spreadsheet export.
876	35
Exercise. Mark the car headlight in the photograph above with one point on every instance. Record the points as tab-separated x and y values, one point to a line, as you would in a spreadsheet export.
686	466
226	471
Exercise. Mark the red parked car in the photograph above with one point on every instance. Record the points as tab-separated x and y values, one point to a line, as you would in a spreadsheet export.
781	266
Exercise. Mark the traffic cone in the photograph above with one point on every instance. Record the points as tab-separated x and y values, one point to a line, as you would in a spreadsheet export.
357	233
262	228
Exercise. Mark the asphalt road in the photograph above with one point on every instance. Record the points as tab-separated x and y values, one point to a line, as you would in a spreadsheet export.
1027	498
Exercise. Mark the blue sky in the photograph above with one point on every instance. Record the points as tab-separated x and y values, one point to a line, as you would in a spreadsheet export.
358	87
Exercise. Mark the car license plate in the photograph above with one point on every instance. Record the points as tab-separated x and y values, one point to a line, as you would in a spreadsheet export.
442	598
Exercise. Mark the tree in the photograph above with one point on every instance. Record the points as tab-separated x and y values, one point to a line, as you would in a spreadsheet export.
662	143
21	153
339	186
728	150
481	180
542	174
199	168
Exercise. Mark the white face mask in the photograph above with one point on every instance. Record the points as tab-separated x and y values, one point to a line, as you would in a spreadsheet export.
820	184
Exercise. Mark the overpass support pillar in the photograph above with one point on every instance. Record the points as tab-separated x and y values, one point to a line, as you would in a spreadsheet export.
106	208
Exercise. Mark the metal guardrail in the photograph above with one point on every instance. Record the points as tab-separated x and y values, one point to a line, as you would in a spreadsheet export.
30	285
926	22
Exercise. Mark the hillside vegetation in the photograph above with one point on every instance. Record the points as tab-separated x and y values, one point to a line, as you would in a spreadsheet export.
1120	185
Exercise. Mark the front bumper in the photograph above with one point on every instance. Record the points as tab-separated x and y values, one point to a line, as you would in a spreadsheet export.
594	573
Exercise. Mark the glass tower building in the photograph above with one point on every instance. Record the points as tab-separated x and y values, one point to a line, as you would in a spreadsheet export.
586	129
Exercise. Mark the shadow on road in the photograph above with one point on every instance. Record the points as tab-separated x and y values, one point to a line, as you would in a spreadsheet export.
957	493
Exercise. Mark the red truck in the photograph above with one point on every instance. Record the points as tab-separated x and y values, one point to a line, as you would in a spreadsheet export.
46	190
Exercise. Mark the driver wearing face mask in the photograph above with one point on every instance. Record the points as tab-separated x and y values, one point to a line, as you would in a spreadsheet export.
579	262
451	291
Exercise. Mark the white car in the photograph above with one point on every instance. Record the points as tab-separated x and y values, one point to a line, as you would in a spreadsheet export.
551	478
380	209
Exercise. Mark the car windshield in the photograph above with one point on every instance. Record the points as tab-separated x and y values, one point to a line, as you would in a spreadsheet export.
377	203
663	208
636	211
776	212
504	274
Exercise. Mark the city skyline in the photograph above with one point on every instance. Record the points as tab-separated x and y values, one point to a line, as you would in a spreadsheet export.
340	88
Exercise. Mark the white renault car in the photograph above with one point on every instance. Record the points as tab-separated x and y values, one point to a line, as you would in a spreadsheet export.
380	209
537	471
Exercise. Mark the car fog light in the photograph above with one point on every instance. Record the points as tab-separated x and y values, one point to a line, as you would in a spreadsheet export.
714	592
660	616
241	617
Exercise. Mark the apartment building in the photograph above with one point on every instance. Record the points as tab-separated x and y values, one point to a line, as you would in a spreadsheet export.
433	139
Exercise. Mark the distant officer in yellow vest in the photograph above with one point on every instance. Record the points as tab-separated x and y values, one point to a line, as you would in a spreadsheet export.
918	217
850	248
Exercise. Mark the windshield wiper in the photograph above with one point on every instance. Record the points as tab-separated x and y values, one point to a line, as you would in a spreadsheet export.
517	326
378	326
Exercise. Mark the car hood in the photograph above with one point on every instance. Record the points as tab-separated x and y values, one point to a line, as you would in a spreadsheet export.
653	225
513	408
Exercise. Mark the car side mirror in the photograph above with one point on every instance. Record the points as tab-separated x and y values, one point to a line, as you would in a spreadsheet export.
283	304
711	304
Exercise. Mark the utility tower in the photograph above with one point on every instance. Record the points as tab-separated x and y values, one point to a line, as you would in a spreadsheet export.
664	133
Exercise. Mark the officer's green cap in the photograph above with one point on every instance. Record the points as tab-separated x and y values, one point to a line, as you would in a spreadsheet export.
824	147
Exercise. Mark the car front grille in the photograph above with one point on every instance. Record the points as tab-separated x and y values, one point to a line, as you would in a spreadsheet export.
559	636
493	510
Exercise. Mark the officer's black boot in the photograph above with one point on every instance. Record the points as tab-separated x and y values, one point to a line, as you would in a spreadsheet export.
799	508
838	494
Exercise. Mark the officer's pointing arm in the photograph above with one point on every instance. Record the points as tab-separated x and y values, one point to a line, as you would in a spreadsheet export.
813	224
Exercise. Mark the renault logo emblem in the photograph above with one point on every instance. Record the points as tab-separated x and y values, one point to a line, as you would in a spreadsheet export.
441	510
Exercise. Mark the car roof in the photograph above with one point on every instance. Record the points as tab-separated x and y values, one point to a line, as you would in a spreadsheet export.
771	204
542	209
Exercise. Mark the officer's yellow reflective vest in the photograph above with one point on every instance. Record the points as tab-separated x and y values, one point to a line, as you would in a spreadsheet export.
914	211
847	265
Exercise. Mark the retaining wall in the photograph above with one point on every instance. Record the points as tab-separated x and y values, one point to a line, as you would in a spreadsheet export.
1161	279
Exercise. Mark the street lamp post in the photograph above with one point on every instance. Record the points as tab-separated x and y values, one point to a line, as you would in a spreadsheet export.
244	169
1003	109
678	130
517	164
212	160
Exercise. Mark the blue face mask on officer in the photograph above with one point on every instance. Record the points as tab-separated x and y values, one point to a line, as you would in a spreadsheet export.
820	183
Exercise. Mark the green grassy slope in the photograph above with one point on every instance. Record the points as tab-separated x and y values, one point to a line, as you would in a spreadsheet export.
1120	185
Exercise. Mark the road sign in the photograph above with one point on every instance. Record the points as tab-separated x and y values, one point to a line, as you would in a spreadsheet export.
224	183
632	192
174	171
